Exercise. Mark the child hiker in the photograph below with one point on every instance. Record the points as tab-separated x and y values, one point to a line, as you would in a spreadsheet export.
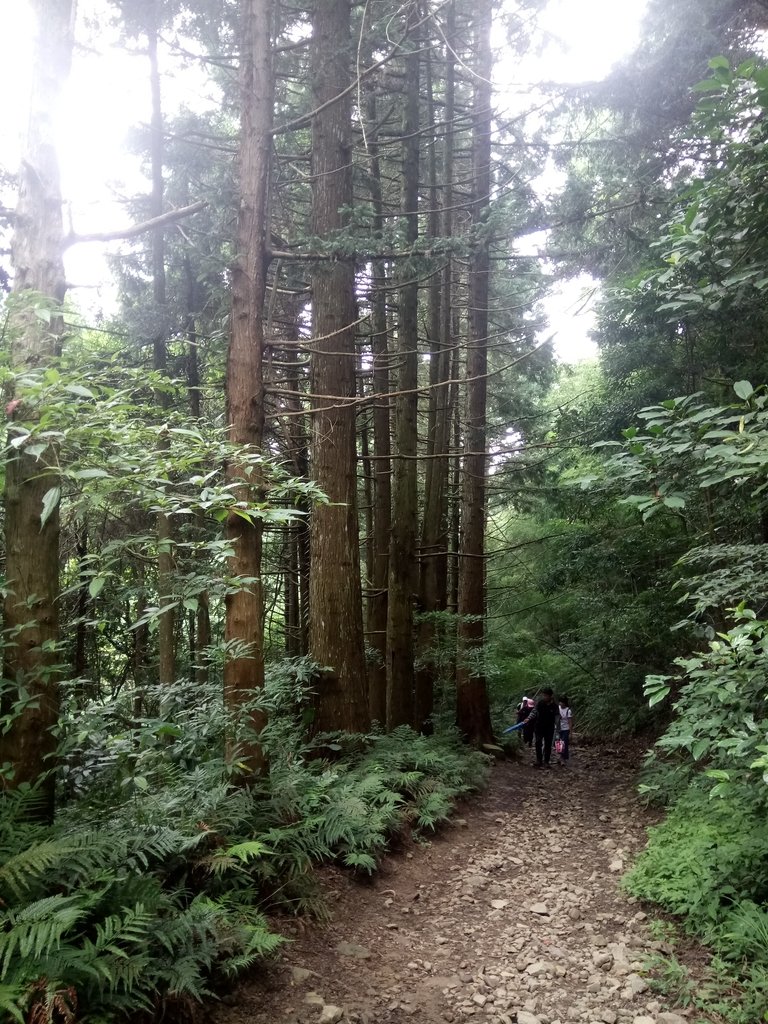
565	726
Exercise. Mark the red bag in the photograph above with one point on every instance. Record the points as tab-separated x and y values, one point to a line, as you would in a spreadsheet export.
559	744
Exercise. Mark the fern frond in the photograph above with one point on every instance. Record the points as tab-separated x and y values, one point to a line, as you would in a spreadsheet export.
360	860
22	871
434	808
11	998
36	930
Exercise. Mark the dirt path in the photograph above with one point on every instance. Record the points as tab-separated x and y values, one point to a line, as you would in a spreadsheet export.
512	914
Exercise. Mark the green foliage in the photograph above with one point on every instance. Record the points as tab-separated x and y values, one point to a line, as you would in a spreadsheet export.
707	862
702	860
113	911
713	991
580	610
95	919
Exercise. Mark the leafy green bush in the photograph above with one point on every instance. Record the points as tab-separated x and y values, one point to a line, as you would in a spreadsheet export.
707	862
703	860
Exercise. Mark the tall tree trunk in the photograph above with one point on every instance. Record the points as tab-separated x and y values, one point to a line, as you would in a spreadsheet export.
403	570
336	625
295	429
433	579
472	709
382	445
31	483
167	621
202	617
244	672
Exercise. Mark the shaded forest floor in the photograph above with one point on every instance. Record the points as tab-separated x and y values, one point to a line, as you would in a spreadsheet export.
512	913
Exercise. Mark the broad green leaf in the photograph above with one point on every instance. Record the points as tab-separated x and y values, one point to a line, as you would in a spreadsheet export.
51	500
743	389
89	474
79	390
699	748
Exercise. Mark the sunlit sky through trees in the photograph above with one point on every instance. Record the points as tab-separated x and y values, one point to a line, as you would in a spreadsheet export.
108	93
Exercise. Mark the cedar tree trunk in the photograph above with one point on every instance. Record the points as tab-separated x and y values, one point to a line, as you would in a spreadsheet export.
244	673
31	620
403	570
335	600
472	710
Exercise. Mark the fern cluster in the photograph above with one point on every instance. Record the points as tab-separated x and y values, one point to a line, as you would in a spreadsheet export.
150	888
97	924
707	863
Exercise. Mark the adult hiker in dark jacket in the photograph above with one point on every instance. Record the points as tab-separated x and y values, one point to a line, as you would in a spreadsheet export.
544	726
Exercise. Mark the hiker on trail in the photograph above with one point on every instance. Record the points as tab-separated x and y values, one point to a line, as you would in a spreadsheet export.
544	727
525	713
565	728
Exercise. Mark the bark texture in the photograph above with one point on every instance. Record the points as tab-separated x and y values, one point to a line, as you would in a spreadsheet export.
403	569
336	626
472	710
244	672
32	536
382	450
433	574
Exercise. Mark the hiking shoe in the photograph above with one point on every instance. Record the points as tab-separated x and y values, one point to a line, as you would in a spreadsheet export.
537	764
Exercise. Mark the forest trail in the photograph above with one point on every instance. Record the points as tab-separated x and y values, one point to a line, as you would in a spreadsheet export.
512	913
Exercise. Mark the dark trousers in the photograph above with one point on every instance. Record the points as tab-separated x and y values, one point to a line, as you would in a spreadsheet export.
565	736
544	739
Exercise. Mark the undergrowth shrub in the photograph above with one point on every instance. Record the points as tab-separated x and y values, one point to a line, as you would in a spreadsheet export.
150	888
703	862
707	862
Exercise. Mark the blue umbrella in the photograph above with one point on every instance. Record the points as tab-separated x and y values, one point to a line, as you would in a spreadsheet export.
514	728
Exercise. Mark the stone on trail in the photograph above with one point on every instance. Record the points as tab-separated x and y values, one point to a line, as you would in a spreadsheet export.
300	974
601	958
524	1017
539	908
443	981
637	984
472	882
608	1016
495	751
616	865
670	1018
353	949
643	1020
330	1014
538	968
499	904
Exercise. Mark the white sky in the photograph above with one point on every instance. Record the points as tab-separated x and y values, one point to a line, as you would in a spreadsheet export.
108	93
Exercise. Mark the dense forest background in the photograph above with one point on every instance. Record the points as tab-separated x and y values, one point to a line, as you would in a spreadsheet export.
289	534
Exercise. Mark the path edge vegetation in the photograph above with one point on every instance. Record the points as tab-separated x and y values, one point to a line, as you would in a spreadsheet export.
176	523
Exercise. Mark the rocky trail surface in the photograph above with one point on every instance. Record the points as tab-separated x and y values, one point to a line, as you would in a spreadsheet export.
512	914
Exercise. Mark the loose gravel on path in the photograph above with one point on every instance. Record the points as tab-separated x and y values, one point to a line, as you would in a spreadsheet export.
512	914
